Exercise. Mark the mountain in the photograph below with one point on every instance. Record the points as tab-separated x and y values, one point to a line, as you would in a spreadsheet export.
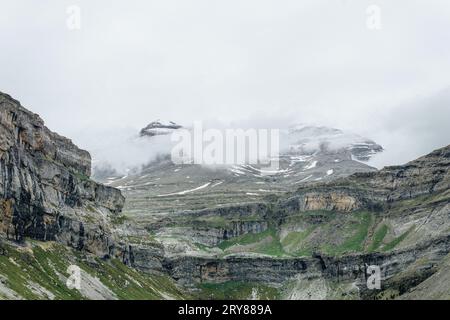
157	128
318	241
233	233
304	139
308	154
52	215
180	232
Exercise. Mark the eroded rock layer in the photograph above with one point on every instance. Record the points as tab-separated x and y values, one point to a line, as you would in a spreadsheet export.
45	187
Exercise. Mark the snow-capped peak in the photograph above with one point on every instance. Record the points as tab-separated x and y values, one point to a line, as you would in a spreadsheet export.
159	127
307	139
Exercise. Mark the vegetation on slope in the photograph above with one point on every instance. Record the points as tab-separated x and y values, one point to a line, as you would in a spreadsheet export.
40	270
335	234
237	290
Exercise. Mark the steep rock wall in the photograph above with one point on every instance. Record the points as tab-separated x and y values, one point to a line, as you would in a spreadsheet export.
45	189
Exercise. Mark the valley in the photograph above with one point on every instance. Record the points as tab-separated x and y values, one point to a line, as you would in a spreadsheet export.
167	231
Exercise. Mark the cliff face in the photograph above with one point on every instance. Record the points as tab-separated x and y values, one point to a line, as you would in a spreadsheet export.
318	241
376	190
45	187
345	269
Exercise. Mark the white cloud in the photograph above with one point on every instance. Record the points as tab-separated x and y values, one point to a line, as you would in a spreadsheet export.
312	61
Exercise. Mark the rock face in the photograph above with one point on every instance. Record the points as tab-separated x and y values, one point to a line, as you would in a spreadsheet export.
45	189
314	241
349	268
427	175
325	235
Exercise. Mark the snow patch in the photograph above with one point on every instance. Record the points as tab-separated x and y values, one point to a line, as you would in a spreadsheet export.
185	191
311	165
304	179
216	184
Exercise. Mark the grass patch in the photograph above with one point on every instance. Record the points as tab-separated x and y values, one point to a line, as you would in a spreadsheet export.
354	243
119	219
45	264
237	290
129	284
293	242
245	239
40	267
391	245
271	247
378	238
81	176
201	246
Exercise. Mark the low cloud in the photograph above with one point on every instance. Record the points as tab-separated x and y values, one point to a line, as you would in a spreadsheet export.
413	129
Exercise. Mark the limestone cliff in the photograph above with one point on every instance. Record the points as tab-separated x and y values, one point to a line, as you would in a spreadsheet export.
45	188
376	190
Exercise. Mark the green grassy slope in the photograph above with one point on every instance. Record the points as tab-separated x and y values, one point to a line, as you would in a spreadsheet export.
40	270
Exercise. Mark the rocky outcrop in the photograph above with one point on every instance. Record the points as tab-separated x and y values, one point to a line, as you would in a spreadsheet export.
330	201
157	128
371	191
410	200
144	257
201	233
45	189
46	194
211	226
309	139
349	269
375	190
425	175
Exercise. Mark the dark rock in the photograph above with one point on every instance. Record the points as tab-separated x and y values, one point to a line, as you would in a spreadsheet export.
45	189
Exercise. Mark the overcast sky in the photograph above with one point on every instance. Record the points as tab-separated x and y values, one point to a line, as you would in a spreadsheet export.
299	61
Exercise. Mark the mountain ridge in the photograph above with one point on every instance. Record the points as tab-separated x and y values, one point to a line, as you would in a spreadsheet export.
314	241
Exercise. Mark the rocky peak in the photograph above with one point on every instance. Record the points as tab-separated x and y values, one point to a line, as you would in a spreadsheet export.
425	176
157	128
22	128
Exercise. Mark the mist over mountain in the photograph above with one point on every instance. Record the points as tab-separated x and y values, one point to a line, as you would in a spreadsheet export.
127	150
209	149
413	129
307	62
409	130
